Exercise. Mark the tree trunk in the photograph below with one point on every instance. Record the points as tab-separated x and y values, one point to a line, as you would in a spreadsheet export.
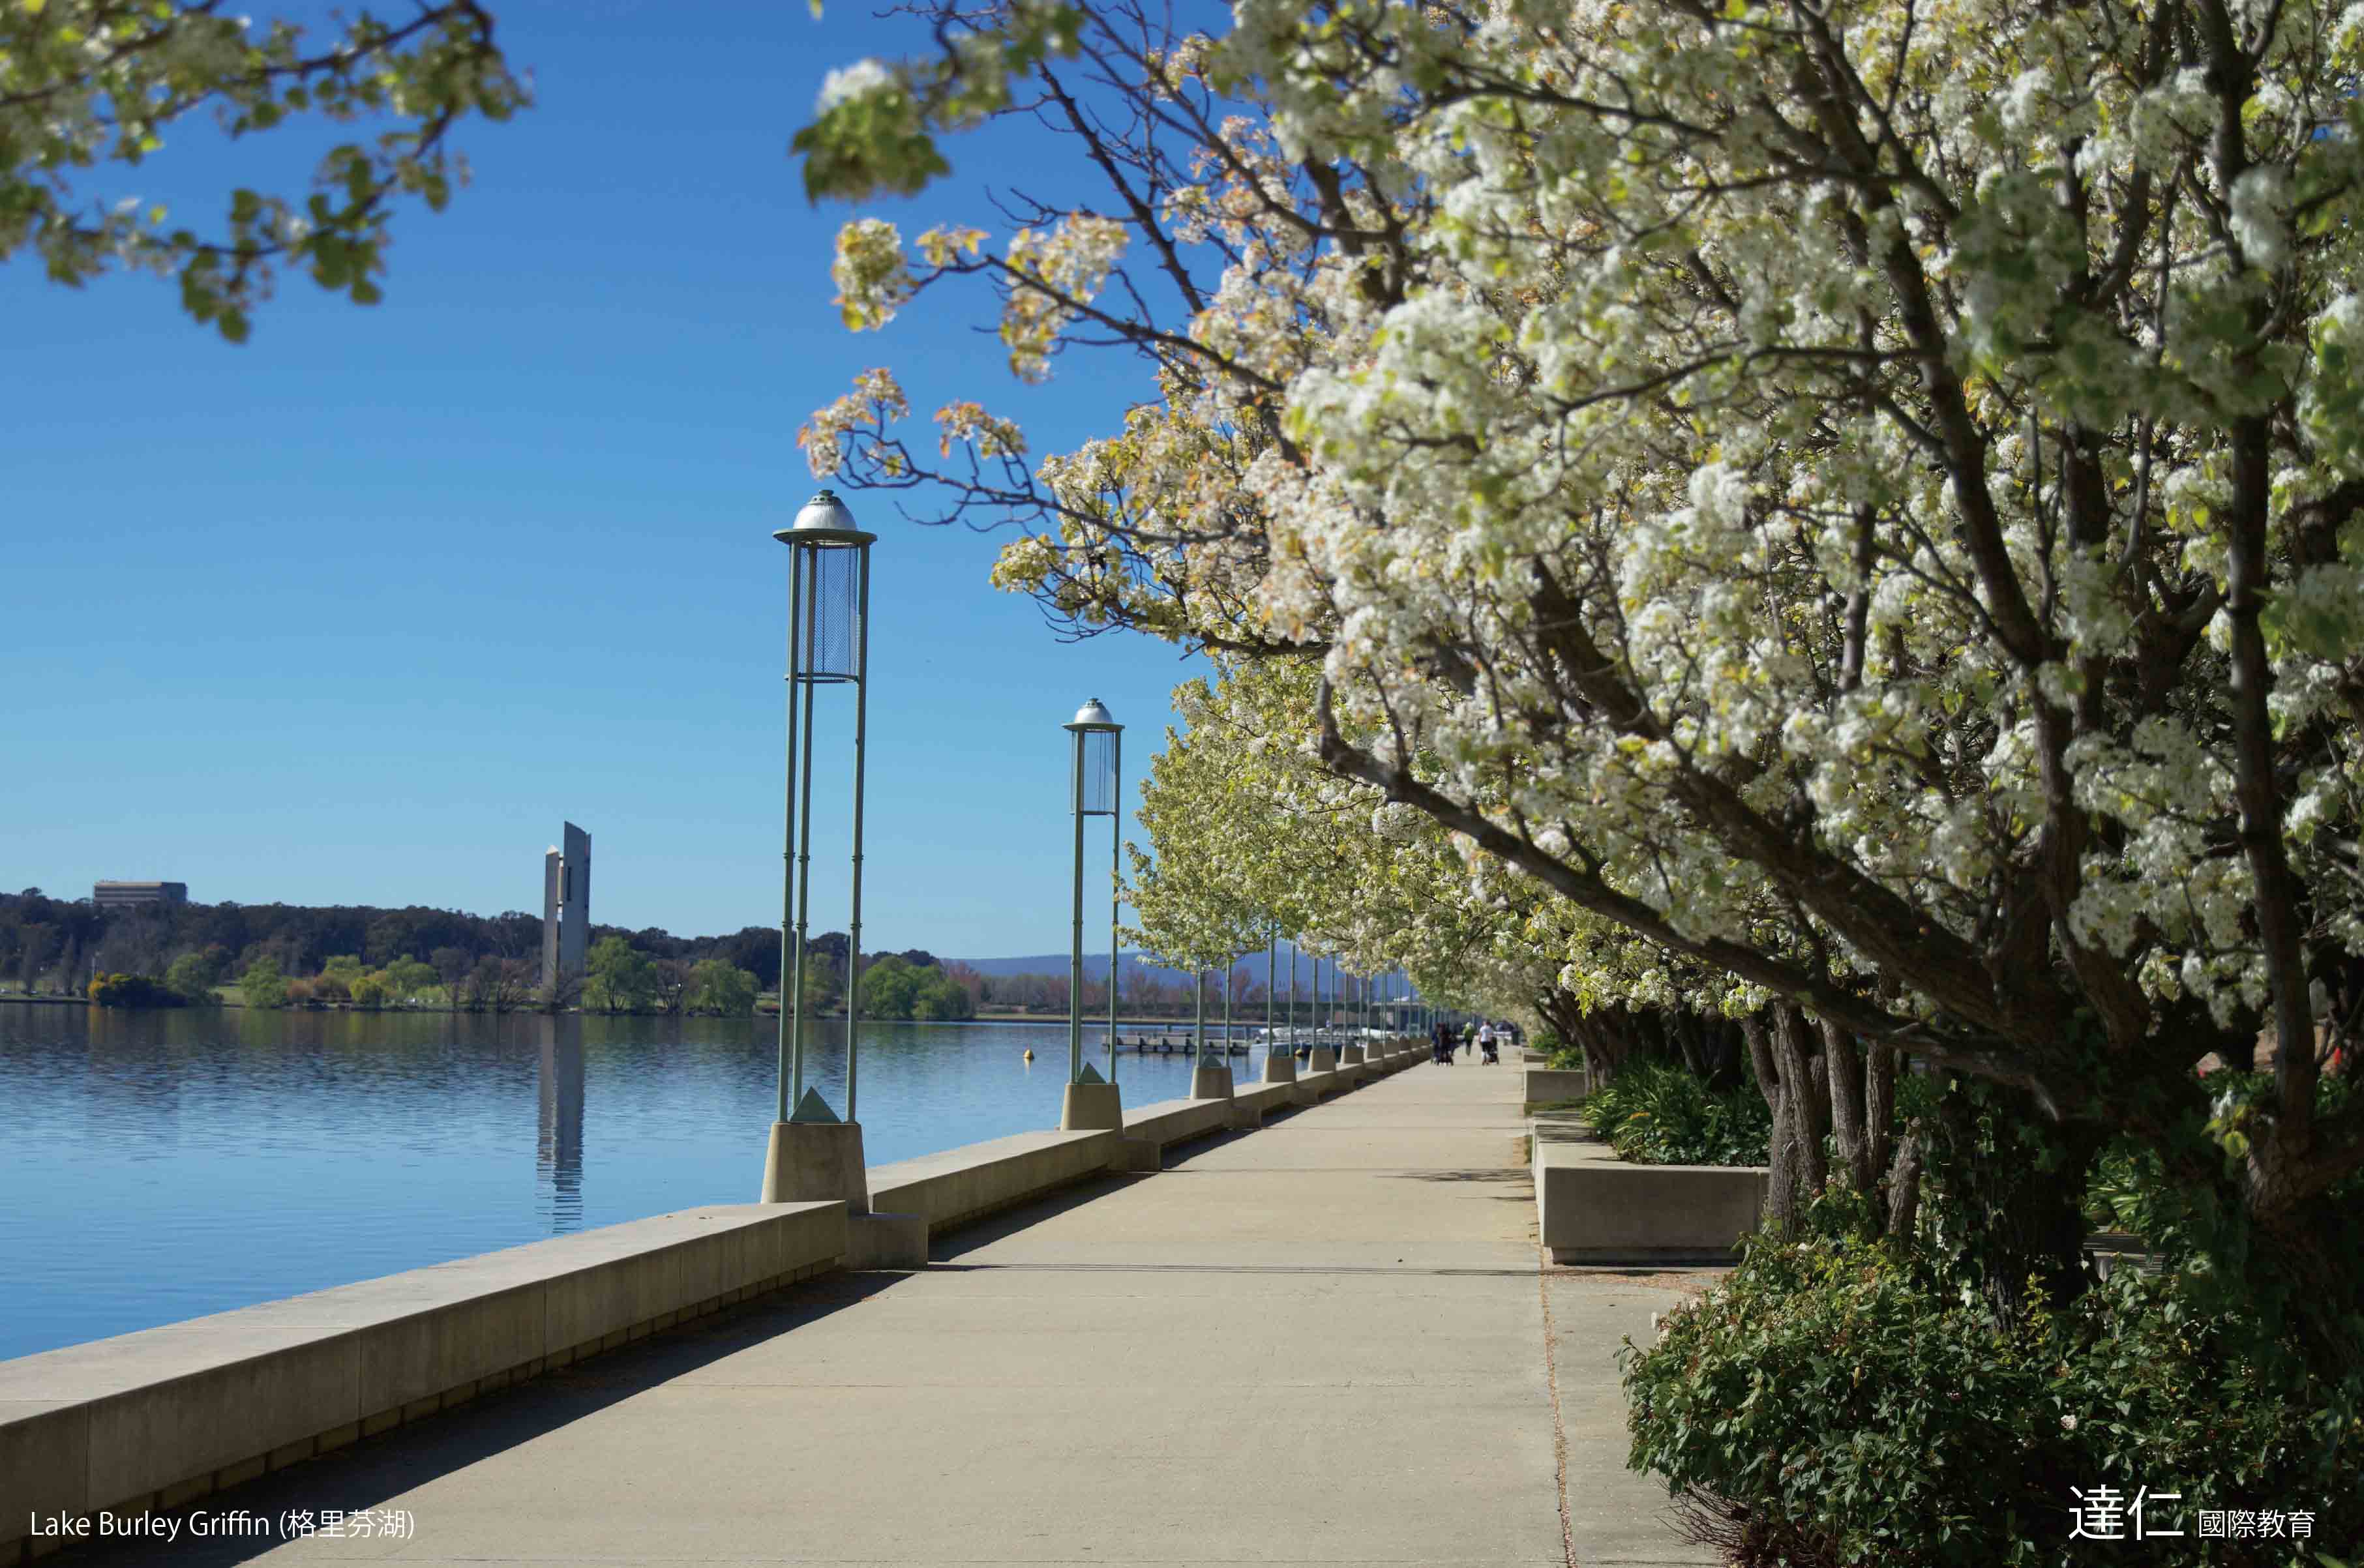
1904	1189
1691	1039
1849	1112
1880	1109
2296	1260
2016	1207
1781	1157
1806	1094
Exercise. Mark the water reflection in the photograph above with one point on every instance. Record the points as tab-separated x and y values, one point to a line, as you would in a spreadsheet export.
559	1154
154	1166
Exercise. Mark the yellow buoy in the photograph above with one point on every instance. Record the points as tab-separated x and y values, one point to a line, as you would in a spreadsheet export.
1030	1053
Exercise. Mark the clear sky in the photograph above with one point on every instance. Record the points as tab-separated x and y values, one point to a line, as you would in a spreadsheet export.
358	612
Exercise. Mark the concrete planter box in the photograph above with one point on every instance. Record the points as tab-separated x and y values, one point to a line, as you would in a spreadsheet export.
1592	1208
163	1416
1550	1085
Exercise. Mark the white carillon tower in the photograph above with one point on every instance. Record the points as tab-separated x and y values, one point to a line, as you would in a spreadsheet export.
565	906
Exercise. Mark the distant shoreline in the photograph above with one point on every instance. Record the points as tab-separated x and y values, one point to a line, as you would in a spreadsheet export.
1146	1025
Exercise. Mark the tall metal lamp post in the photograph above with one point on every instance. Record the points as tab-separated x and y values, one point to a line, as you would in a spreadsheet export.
1210	1078
1092	1102
1353	1050
1325	1054
1279	1056
814	1156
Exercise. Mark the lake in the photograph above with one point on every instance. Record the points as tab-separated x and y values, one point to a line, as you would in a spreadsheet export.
159	1165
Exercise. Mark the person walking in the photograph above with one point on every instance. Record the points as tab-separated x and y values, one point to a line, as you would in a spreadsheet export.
1486	1045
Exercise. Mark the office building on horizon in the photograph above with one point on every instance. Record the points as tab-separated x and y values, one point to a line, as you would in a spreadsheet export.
128	895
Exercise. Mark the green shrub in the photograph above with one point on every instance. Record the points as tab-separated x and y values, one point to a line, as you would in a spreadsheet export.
133	991
1558	1053
194	975
1655	1113
1832	1403
720	986
263	985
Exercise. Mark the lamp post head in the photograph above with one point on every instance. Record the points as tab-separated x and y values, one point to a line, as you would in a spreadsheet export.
1093	716
823	520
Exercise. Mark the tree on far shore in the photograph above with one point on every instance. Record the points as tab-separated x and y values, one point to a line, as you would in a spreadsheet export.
721	988
618	978
263	985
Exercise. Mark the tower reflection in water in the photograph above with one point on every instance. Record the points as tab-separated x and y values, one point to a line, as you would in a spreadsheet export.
558	1158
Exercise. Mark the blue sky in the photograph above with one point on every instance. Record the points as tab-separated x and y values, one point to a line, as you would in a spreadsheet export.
358	612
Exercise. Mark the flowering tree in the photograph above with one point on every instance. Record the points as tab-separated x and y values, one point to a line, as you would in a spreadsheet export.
1254	839
1246	819
85	82
1872	508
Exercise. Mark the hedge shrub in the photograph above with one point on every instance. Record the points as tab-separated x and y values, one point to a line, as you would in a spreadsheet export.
1832	1403
1657	1113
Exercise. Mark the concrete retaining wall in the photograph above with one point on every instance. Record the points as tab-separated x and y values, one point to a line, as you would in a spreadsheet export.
157	1418
1591	1206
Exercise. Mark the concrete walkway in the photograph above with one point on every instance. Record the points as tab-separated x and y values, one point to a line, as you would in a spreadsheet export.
1320	1342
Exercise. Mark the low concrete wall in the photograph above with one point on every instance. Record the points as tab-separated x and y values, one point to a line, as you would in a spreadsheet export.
1591	1206
157	1418
1169	1122
1550	1085
1252	1102
979	1179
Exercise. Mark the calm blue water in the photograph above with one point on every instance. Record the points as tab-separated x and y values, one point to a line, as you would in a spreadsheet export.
155	1166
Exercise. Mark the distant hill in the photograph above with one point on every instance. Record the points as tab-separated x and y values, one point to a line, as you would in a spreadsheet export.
1094	966
1251	967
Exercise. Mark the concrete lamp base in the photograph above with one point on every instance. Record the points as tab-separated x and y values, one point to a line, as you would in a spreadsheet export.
1324	1060
817	1161
1091	1108
1352	1056
1210	1081
1279	1067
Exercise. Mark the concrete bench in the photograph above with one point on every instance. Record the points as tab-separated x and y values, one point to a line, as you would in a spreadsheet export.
1592	1208
1251	1102
1154	1128
1313	1086
977	1179
156	1419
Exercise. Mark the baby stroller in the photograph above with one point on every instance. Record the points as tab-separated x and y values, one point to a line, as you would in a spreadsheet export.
1486	1047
